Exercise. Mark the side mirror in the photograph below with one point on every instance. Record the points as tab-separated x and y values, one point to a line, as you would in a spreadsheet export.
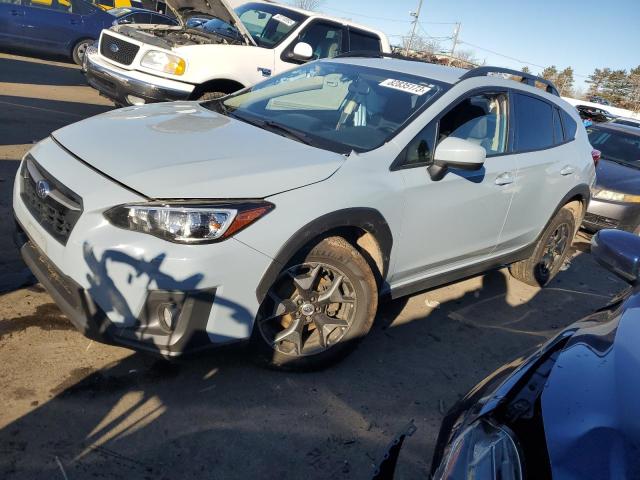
619	252
302	52
456	153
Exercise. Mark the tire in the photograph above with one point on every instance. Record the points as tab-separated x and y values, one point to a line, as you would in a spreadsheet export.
331	286
550	253
205	96
77	54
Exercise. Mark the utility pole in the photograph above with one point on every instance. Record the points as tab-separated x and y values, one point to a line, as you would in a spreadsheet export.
456	32
416	16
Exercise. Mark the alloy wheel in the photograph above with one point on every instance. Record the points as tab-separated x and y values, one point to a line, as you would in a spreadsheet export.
309	309
554	251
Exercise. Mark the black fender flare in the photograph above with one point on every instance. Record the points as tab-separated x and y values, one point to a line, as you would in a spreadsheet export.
367	219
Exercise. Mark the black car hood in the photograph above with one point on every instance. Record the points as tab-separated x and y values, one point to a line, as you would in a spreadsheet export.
590	402
620	178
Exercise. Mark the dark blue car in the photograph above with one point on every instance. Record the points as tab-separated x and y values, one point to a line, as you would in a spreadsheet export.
63	27
569	411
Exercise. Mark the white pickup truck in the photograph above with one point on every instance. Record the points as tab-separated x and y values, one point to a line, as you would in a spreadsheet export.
137	64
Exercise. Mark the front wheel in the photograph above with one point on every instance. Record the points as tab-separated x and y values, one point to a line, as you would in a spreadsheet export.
80	49
550	253
317	309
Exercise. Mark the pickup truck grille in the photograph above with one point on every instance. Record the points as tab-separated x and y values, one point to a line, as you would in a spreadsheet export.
117	49
54	206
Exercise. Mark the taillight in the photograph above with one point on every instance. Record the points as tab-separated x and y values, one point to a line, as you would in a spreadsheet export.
596	154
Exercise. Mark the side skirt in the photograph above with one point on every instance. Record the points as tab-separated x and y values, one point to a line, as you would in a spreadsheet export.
446	278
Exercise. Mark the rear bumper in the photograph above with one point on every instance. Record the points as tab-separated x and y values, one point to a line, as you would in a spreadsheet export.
621	216
148	334
119	84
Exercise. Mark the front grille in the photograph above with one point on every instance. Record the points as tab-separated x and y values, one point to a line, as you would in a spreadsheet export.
54	206
600	222
117	49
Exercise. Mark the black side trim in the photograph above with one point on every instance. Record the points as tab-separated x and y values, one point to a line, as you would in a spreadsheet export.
463	273
367	219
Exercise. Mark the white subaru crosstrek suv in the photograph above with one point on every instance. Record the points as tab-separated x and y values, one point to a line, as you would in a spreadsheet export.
137	64
282	213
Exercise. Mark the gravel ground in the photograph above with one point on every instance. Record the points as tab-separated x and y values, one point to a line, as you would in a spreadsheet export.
76	409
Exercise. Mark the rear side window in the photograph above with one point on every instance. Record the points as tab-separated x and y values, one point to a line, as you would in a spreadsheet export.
570	126
534	123
363	42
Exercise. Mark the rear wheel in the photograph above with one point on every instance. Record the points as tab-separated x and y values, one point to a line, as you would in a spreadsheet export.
550	253
79	50
318	308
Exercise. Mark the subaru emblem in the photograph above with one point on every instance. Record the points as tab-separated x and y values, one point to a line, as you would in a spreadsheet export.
42	189
114	48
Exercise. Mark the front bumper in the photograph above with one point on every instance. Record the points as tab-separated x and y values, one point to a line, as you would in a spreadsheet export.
148	334
602	214
114	283
119	84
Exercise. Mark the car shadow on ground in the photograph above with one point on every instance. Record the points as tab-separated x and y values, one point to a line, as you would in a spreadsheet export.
217	415
20	70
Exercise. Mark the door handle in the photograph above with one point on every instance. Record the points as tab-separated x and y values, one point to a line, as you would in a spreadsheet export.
567	170
504	178
15	13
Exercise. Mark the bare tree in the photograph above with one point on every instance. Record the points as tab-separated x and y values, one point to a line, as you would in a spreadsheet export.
420	44
312	5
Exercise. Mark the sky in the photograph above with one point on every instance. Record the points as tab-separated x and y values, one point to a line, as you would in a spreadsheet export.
584	34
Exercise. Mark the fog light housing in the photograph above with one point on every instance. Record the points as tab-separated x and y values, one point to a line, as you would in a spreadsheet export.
168	314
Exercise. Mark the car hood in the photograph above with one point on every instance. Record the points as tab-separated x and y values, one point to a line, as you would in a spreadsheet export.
185	9
589	404
620	178
183	150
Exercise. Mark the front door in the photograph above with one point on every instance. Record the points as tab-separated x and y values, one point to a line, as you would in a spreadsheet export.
11	15
456	220
51	24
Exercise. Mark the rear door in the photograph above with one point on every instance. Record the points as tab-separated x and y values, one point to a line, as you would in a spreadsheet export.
546	170
11	15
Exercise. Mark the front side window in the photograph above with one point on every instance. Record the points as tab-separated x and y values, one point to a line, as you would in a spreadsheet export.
616	146
481	119
335	106
268	24
325	39
534	123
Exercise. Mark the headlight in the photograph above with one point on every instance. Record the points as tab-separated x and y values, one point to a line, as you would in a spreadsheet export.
188	223
616	196
163	62
482	451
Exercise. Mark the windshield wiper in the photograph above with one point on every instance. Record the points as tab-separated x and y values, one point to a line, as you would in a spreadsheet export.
273	126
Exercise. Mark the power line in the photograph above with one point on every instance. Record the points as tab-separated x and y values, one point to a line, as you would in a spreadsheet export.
398	20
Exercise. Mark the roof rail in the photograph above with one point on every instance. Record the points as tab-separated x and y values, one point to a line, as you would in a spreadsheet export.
526	77
376	54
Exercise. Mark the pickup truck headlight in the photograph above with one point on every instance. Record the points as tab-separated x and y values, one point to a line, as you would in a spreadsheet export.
163	62
615	196
188	223
484	451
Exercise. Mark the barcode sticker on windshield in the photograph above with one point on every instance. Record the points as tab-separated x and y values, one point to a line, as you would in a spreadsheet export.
408	87
286	20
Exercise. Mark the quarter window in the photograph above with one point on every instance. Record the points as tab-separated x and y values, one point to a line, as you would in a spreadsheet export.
534	123
363	42
570	127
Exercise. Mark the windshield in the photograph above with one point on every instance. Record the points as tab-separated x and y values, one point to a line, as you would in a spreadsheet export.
268	24
221	28
119	12
616	146
336	106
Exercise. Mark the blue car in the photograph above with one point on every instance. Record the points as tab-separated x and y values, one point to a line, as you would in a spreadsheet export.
64	27
570	410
